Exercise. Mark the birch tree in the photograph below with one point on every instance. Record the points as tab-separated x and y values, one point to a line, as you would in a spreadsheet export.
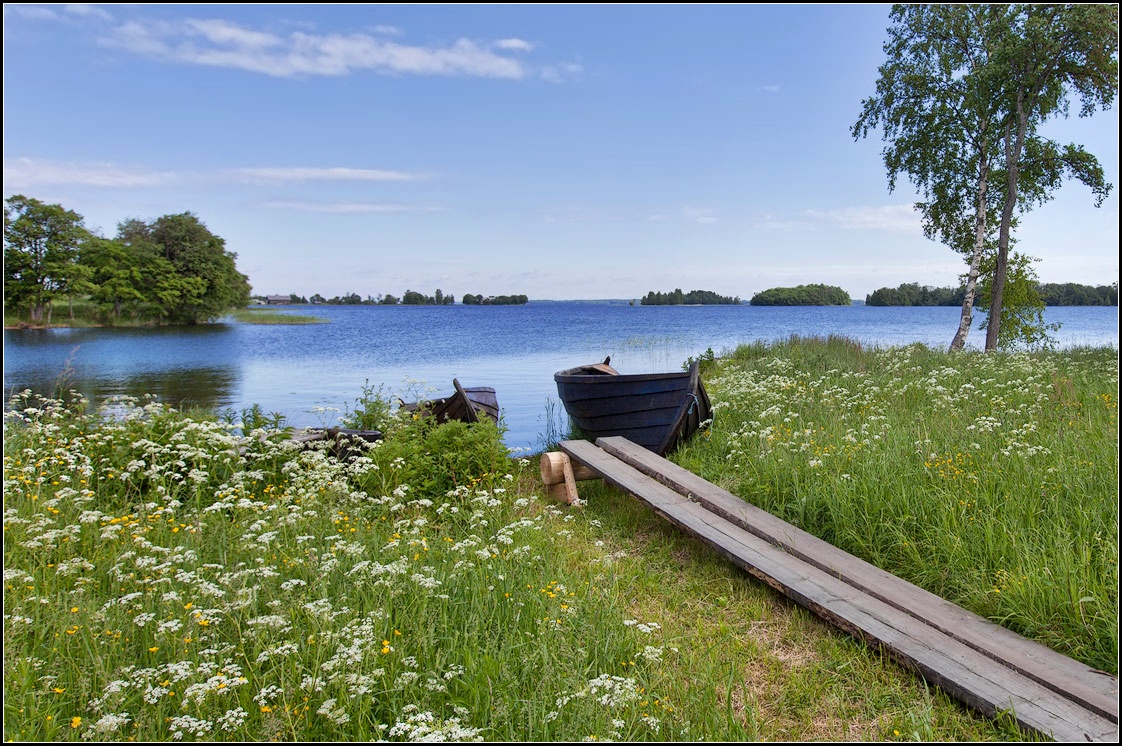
960	99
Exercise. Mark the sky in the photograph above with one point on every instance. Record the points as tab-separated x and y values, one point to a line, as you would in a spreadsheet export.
555	151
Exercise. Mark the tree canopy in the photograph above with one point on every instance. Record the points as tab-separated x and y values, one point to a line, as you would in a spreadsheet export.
171	270
692	298
803	295
41	245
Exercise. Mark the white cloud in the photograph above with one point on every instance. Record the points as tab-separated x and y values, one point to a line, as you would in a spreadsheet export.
703	215
773	88
884	218
388	30
559	73
31	12
89	11
278	175
514	45
220	43
352	208
20	173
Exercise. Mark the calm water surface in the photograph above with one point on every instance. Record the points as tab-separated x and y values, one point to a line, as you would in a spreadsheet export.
304	372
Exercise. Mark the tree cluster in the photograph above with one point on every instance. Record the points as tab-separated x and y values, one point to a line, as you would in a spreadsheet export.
913	294
494	300
692	298
1073	294
1051	294
803	295
171	270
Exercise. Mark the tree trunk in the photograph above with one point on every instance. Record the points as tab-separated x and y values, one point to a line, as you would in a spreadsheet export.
967	318
1014	146
50	310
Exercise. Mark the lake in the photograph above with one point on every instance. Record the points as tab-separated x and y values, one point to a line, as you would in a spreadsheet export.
312	373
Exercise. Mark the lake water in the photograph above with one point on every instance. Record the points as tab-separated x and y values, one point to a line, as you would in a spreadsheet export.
305	371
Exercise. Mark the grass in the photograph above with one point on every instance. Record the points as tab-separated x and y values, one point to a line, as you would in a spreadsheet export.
89	314
268	316
989	479
169	577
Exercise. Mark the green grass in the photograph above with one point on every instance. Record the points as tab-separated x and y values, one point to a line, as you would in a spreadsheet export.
989	479
167	576
268	316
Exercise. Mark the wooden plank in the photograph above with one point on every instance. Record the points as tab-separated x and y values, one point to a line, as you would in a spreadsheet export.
978	681
1096	690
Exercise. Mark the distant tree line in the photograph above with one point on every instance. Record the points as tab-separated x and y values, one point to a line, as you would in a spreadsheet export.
803	295
692	298
495	300
413	298
1052	294
171	270
913	294
1072	294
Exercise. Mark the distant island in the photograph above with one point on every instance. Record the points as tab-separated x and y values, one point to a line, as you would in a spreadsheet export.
494	300
1053	294
692	298
803	295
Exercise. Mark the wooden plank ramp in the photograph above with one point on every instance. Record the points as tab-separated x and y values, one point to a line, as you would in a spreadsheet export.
982	664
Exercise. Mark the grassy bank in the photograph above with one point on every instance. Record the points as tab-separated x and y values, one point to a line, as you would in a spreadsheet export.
84	313
269	316
168	578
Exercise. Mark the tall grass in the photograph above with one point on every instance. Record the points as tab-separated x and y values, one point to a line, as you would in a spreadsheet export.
176	577
265	315
989	479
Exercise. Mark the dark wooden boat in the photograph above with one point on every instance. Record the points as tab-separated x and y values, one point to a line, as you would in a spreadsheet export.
465	404
655	410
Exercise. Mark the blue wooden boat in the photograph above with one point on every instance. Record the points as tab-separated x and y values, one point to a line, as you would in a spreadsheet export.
655	410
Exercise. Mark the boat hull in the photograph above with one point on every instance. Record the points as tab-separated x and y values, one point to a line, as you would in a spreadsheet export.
653	410
464	404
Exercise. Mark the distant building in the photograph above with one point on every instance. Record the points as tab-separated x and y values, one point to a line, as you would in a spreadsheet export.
278	300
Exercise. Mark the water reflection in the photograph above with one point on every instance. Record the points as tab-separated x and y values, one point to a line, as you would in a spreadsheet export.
211	388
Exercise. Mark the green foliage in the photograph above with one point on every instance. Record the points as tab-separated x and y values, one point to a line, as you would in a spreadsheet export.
413	298
1074	294
172	270
912	294
692	298
494	300
1051	294
41	250
1022	311
373	410
803	295
437	458
206	282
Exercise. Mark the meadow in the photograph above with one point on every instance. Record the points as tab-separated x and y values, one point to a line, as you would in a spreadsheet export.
183	576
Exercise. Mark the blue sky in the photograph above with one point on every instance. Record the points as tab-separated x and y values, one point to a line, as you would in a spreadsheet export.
557	151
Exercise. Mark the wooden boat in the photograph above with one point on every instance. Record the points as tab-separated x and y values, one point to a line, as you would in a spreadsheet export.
465	404
655	410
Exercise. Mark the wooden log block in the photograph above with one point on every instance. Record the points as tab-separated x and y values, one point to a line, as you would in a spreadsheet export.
553	471
560	478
